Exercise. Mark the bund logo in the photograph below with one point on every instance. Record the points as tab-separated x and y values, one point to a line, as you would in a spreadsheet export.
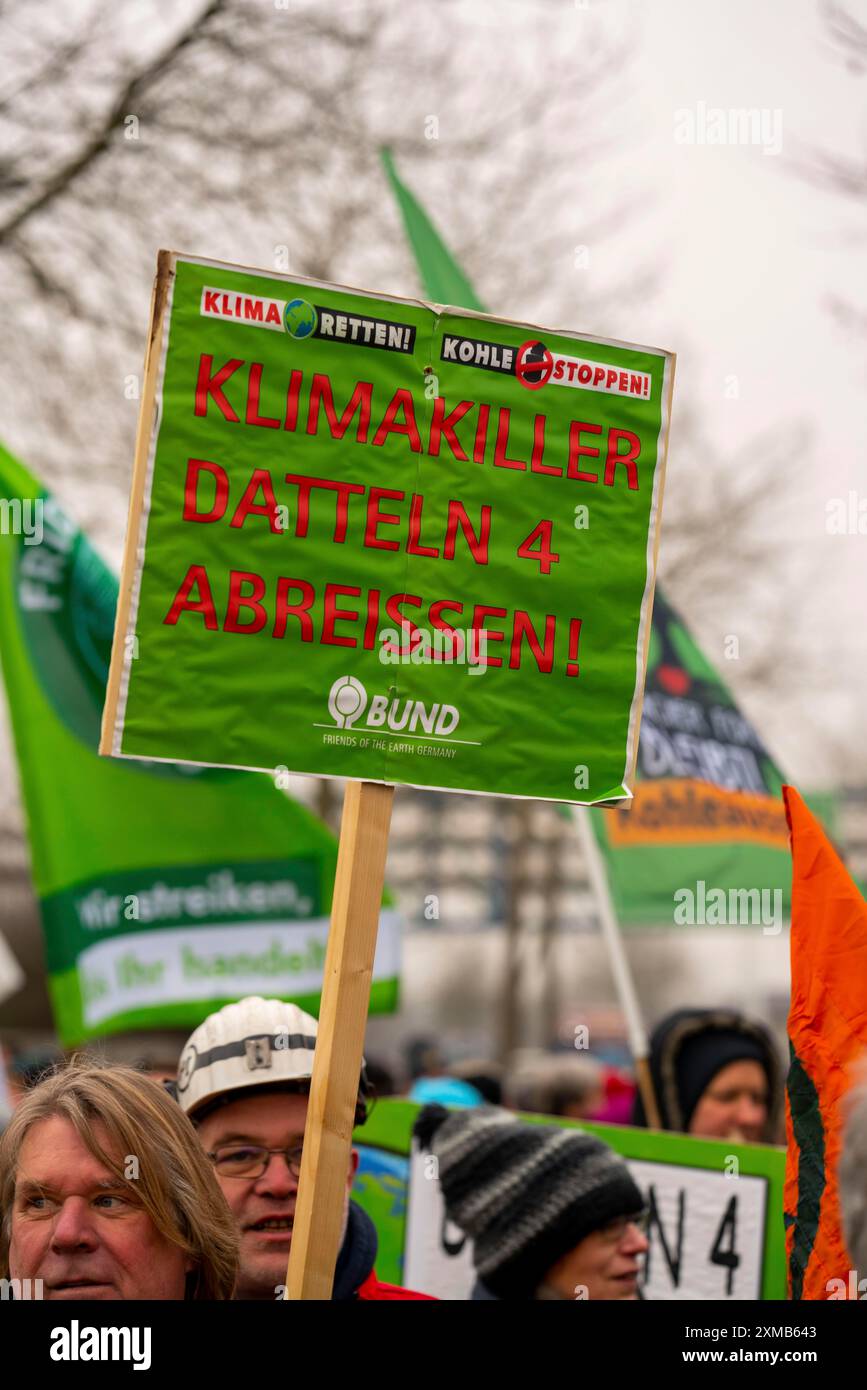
347	701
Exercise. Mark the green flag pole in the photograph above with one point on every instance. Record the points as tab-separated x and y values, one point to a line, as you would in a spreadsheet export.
620	968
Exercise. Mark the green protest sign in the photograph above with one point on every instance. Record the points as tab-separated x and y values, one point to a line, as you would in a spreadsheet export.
715	1225
164	892
380	539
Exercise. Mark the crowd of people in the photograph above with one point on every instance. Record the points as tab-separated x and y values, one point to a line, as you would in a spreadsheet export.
116	1184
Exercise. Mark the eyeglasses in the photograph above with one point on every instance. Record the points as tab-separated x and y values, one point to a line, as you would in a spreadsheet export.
616	1230
251	1160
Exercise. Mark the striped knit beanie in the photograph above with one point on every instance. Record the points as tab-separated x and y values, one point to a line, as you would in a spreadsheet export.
526	1194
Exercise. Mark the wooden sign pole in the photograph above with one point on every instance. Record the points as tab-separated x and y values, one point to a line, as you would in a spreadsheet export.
355	910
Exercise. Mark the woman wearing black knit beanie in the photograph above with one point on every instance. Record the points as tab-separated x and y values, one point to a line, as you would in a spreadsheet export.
553	1213
716	1075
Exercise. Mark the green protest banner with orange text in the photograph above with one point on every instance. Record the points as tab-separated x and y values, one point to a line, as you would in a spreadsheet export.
385	540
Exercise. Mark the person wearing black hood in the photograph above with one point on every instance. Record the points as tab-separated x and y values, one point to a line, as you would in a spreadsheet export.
716	1075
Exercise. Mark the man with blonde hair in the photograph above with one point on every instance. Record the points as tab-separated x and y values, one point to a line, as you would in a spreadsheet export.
106	1194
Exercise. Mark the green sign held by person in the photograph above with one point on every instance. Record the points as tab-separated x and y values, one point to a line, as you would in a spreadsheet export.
346	505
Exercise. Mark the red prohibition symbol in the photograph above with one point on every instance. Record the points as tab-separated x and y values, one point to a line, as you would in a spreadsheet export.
533	364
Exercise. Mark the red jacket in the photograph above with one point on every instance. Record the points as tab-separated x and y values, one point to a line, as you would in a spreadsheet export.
355	1275
372	1290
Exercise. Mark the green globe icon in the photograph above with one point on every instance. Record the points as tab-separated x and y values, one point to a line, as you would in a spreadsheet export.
299	318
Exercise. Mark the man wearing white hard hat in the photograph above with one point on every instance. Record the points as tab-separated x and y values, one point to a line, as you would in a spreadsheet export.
244	1080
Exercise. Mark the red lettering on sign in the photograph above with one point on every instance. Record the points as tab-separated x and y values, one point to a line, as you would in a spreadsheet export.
211	384
341	520
392	608
442	424
577	450
401	400
537	546
627	459
293	390
478	543
502	443
305	486
301	610
254	385
522	628
480	612
412	545
332	614
481	439
376	518
260	480
536	464
239	600
371	626
457	640
320	390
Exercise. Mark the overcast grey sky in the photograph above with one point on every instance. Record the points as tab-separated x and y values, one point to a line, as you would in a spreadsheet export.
751	254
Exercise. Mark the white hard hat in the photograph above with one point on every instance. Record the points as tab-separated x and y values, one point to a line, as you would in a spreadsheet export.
255	1042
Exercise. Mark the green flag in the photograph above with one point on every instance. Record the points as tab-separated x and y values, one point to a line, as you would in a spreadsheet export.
444	281
164	892
707	808
705	840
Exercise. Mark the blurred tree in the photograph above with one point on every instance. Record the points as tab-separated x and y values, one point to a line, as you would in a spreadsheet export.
845	23
250	132
728	561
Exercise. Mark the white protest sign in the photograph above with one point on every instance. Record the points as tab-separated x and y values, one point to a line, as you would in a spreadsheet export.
706	1234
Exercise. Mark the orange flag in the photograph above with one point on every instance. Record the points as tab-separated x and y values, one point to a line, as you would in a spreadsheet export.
827	1034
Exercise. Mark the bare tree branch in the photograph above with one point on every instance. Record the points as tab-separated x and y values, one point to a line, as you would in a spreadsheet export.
99	140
